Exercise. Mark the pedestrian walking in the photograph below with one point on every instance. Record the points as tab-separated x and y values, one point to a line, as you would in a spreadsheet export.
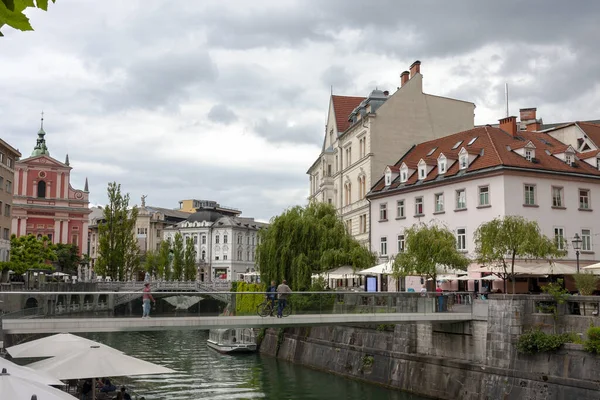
283	290
146	298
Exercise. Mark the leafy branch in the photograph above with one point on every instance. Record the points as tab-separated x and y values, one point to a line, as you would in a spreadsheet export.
12	13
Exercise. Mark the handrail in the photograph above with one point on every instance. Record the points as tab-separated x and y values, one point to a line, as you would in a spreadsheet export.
331	292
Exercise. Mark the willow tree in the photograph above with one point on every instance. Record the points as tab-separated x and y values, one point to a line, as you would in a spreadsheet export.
500	242
178	257
118	250
189	260
307	240
428	250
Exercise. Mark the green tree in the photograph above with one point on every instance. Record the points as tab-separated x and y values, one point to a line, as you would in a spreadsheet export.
67	257
427	250
27	252
118	251
498	243
586	283
12	13
178	257
307	240
163	263
189	262
151	262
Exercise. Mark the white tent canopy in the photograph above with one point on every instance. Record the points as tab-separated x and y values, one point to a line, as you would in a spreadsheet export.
537	268
13	387
27	373
345	272
592	267
380	269
51	346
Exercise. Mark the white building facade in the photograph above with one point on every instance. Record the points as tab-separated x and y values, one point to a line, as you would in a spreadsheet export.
472	177
363	135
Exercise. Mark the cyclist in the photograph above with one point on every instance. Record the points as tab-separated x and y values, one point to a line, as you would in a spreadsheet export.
283	290
272	296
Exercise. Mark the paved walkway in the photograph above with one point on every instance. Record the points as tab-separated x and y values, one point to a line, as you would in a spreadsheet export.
81	325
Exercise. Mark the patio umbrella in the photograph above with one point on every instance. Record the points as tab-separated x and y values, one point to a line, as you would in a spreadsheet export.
593	266
96	361
183	302
51	346
15	388
22	372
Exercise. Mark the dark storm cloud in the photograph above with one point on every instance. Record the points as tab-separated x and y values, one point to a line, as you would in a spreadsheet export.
276	130
222	114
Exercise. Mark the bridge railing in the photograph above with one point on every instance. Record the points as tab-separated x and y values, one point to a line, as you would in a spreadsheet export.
102	304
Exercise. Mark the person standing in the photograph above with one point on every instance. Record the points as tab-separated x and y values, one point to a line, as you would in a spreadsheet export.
283	290
146	298
272	295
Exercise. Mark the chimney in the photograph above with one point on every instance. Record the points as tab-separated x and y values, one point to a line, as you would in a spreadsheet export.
404	78
509	125
534	126
527	114
386	93
415	68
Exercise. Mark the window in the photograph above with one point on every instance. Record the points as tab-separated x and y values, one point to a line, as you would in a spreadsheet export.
247	239
559	238
400	209
421	173
404	177
195	239
598	163
529	195
439	202
400	243
442	166
239	255
203	239
349	226
383	246
337	166
586	240
419	205
363	147
9	162
363	184
363	223
484	195
584	199
216	258
41	189
217	239
6	234
75	240
464	162
472	141
461	239
331	137
557	196
383	212
247	256
7	210
457	144
224	257
225	239
528	155
431	151
568	158
461	199
1	183
348	193
2	158
203	256
8	187
329	170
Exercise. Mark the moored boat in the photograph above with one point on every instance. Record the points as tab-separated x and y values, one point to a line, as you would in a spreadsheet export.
236	340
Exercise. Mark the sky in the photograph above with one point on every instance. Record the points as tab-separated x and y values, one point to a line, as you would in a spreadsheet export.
227	100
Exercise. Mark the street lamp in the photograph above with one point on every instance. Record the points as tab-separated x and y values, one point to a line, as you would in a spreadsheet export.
577	246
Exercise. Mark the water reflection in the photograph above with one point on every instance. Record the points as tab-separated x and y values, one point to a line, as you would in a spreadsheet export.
206	374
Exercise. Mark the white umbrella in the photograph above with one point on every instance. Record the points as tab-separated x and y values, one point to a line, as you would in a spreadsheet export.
183	302
491	278
51	346
15	388
593	266
27	373
385	268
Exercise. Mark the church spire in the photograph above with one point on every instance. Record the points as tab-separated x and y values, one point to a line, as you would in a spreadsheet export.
86	187
67	160
40	146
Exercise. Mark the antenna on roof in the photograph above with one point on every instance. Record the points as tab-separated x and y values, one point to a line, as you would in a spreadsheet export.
332	89
506	97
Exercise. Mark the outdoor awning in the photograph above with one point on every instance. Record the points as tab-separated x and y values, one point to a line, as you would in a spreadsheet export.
537	268
345	272
385	268
592	267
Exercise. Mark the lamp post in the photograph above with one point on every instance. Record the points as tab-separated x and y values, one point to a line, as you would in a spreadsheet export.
577	246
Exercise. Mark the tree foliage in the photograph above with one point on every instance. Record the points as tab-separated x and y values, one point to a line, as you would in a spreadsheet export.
67	257
427	250
178	257
189	260
28	252
307	240
151	262
163	262
12	13
118	251
503	240
586	283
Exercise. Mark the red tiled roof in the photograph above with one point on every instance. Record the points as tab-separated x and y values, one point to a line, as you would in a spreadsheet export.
591	130
342	107
588	154
493	150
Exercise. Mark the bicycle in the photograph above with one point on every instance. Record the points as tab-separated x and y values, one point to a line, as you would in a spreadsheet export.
266	308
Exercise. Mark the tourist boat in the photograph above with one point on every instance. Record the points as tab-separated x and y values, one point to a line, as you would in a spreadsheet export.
236	340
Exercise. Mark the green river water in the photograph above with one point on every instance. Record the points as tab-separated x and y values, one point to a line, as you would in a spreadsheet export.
203	373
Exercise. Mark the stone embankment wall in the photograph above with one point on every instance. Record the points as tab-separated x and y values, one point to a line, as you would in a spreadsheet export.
475	360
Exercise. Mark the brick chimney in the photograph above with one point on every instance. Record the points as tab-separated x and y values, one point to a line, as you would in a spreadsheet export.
533	126
527	114
415	68
509	125
404	78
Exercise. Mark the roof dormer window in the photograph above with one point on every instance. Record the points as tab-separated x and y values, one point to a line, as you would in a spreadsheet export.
442	166
464	161
598	163
388	178
568	158
403	176
422	172
529	154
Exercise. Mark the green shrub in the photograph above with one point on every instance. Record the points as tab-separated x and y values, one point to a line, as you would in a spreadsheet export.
313	302
246	303
535	341
385	327
592	344
586	283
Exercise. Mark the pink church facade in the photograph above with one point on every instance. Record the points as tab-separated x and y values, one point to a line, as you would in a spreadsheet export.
45	203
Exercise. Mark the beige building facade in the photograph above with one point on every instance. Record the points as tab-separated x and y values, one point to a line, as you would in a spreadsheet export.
8	157
365	135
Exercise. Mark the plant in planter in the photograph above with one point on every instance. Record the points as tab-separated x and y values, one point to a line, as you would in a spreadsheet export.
560	295
586	283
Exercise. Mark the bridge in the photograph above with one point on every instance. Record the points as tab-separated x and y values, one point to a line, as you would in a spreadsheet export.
190	310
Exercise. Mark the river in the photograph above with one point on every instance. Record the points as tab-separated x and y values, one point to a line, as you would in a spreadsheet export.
202	373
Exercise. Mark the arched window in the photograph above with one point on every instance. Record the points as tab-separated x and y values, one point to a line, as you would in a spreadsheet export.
203	255
41	189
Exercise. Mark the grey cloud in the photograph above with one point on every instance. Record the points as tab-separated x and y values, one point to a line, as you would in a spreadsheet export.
222	114
337	77
276	130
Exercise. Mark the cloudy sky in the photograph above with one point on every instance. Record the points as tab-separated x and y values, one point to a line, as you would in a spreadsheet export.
227	100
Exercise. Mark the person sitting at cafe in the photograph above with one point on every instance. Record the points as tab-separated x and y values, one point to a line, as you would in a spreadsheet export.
108	387
125	395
